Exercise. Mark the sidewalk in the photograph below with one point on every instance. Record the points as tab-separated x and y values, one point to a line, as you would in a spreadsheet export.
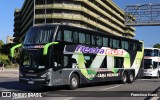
9	72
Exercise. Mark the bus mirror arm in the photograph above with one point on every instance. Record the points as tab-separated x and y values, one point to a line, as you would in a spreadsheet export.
45	50
13	49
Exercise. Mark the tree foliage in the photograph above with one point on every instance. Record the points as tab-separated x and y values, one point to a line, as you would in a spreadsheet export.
1	44
156	45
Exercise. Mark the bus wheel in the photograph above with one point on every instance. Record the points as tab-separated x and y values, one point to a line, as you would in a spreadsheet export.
130	78
74	82
124	78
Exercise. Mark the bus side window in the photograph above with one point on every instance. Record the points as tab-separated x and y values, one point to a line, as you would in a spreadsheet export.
57	60
126	45
139	47
75	37
59	35
110	42
116	44
156	53
105	42
131	45
135	46
118	62
104	63
65	61
82	38
68	36
99	40
93	39
88	39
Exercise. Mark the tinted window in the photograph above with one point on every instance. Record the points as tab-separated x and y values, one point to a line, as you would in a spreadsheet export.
118	62
93	39
110	42
82	38
105	42
139	47
116	43
39	35
148	52
156	52
88	39
99	41
59	35
124	45
68	35
75	37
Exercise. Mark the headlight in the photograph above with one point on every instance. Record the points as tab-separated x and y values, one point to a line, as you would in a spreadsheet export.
45	75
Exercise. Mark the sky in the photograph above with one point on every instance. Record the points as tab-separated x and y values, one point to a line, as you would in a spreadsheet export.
149	34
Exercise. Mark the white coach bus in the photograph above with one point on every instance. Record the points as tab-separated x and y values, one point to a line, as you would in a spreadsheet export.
151	62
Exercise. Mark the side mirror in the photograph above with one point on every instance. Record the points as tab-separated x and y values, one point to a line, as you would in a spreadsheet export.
13	49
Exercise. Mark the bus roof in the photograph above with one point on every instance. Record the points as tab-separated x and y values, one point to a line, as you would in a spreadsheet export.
150	48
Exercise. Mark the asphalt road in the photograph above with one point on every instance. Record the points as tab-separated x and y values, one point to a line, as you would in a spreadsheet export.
102	91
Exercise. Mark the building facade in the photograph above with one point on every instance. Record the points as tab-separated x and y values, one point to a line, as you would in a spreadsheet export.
9	39
99	15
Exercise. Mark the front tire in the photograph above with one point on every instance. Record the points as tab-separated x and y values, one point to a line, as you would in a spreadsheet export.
124	78
74	82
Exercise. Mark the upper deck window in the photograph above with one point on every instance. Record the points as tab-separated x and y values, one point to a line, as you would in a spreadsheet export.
39	35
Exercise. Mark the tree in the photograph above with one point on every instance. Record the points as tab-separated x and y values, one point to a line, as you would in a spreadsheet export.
1	43
156	45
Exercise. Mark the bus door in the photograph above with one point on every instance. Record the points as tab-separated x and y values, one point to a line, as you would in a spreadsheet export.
57	66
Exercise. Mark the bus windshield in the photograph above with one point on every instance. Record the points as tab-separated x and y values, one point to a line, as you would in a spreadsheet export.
148	53
29	59
39	35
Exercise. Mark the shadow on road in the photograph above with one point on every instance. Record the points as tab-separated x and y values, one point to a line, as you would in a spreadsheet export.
17	86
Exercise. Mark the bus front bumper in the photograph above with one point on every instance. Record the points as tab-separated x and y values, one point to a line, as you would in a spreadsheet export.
33	81
150	74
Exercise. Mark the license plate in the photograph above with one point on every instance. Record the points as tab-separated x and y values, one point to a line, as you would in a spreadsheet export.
30	82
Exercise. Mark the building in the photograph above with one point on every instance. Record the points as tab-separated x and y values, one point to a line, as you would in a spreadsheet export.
9	39
99	15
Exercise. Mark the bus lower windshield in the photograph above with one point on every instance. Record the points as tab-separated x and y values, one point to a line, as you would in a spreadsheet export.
33	59
148	64
39	35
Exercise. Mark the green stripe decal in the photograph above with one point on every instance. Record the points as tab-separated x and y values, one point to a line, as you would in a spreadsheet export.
13	48
45	50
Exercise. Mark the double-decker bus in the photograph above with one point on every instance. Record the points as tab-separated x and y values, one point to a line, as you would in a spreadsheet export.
151	62
54	55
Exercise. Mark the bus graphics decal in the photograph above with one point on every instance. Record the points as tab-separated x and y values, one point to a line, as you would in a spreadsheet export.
78	52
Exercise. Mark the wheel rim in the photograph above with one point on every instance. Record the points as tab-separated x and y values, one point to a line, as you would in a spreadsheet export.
124	78
131	77
74	82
